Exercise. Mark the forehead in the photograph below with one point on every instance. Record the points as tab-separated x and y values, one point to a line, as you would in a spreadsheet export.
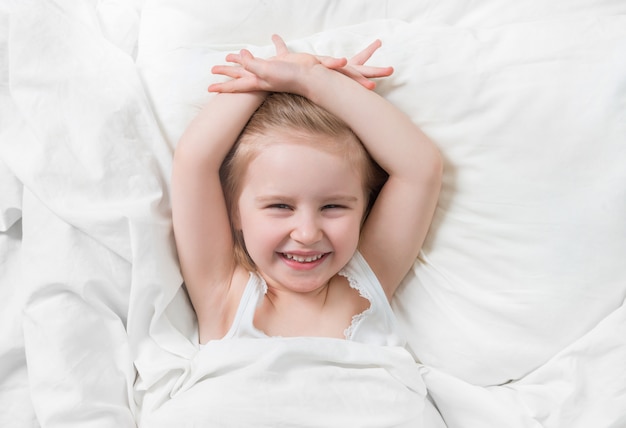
295	168
316	140
345	145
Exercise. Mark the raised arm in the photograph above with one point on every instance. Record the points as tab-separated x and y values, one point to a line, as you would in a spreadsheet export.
399	221
201	225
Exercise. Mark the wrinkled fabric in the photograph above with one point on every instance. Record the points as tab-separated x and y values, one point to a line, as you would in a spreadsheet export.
304	382
515	306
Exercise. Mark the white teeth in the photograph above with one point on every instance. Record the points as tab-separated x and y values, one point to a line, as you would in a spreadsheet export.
301	259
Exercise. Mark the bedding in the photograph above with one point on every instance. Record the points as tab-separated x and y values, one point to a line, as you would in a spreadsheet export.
514	312
304	382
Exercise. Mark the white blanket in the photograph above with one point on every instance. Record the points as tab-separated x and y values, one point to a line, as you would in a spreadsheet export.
303	382
515	309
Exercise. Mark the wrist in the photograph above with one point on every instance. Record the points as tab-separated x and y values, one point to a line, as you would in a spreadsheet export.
316	81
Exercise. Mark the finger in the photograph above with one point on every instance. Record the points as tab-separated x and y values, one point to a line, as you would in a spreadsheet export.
237	85
244	56
371	72
238	58
280	45
357	77
214	87
250	63
217	87
362	57
228	70
234	58
332	62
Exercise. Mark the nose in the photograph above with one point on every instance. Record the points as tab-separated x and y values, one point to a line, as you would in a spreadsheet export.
306	229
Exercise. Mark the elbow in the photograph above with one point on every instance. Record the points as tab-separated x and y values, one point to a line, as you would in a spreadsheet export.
431	168
438	167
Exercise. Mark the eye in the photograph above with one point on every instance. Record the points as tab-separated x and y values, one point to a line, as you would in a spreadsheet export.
279	206
333	206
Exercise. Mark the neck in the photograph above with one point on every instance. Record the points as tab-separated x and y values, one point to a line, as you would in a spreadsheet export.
283	298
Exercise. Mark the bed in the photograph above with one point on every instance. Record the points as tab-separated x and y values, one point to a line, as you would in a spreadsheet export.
514	311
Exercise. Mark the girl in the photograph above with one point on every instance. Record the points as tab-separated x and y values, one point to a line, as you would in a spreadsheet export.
272	195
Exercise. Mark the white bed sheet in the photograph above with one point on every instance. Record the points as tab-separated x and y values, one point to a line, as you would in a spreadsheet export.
516	306
301	382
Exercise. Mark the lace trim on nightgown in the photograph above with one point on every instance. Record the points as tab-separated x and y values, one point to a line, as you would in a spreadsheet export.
358	318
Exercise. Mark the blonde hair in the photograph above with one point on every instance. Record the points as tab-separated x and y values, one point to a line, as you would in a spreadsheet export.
292	114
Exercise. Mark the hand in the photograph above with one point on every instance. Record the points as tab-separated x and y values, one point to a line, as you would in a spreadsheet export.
361	73
281	71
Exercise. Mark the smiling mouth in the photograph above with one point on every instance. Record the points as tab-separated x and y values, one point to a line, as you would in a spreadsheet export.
303	259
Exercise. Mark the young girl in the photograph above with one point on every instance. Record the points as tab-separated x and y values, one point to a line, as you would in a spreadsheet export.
272	187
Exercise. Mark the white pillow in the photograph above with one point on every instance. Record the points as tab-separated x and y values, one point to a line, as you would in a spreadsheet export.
526	104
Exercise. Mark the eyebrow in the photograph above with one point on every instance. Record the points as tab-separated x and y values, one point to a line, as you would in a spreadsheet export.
287	199
343	198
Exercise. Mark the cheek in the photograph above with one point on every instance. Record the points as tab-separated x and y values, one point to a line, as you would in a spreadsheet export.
258	233
347	232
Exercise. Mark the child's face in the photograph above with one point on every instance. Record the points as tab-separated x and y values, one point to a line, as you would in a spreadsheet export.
300	211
